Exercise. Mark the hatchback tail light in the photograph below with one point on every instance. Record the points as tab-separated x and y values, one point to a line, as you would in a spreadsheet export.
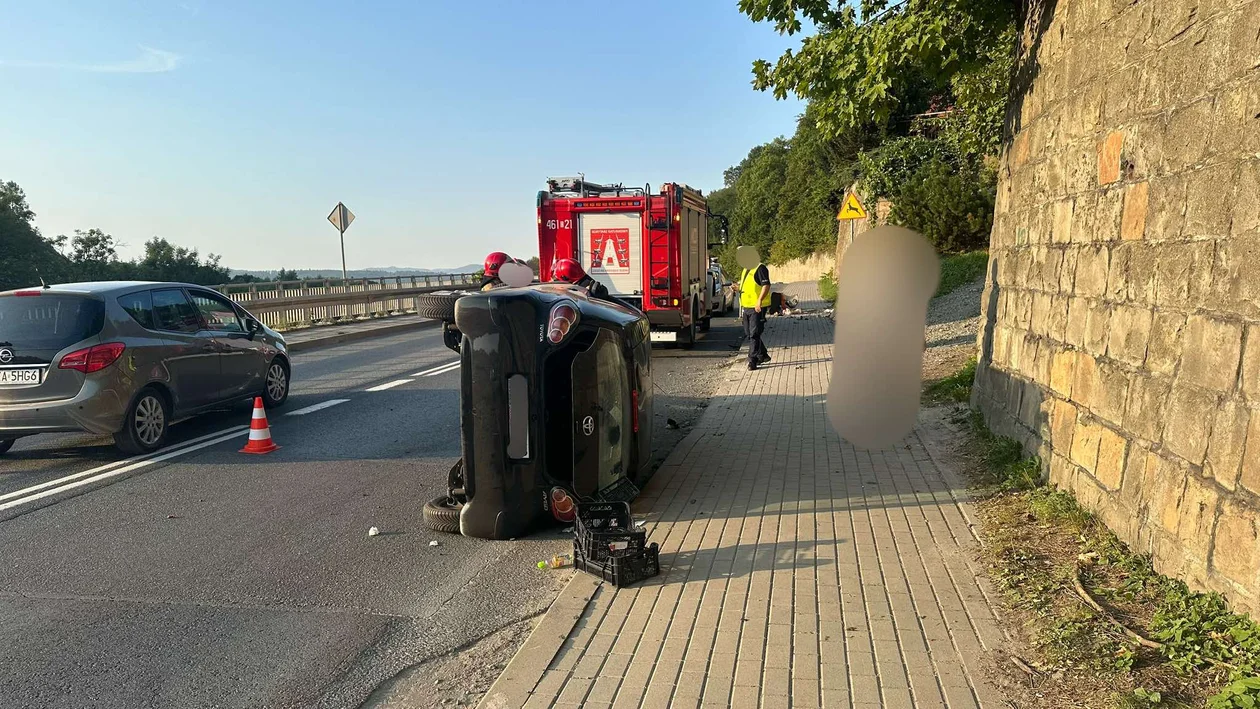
564	317
93	359
562	507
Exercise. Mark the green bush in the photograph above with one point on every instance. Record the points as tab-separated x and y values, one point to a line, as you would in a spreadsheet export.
958	270
952	206
1243	694
827	286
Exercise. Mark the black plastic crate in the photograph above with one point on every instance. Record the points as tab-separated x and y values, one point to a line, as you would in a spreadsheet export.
605	530
623	570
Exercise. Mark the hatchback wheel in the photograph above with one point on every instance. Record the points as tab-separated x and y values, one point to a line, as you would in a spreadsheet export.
276	391
145	426
442	514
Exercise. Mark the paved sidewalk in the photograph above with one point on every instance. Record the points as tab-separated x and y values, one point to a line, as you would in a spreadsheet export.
796	569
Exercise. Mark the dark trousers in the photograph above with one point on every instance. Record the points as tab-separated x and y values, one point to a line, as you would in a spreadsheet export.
754	325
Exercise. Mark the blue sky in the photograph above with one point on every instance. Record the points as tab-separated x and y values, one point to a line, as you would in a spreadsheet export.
235	127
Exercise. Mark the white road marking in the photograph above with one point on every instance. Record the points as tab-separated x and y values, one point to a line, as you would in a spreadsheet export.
115	464
443	370
390	385
125	469
436	370
317	407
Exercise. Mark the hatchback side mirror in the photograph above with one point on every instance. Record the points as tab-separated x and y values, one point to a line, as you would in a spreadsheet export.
252	326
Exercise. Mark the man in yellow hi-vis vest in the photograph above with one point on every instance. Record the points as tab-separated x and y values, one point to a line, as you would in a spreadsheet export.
754	300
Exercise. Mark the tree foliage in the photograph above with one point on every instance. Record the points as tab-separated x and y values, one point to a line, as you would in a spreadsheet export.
26	257
868	59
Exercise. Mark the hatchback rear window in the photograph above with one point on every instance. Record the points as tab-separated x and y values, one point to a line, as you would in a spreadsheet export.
49	321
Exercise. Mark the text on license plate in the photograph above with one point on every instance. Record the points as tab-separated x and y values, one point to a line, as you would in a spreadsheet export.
19	377
663	336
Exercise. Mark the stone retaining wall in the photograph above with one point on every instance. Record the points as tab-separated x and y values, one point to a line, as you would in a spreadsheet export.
1121	330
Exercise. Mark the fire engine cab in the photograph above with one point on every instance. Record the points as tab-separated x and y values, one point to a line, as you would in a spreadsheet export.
650	250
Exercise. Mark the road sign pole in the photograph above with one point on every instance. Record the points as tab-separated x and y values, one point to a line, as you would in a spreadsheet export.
344	278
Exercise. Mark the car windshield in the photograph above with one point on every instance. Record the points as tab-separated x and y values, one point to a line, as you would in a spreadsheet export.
49	322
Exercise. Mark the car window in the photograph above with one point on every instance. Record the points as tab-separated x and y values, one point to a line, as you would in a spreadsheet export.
218	313
140	307
173	312
49	320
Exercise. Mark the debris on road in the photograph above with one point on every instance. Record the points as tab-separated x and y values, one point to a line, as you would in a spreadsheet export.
373	532
556	562
671	424
433	543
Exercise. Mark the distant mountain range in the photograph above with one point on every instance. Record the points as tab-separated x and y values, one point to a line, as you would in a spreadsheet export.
363	272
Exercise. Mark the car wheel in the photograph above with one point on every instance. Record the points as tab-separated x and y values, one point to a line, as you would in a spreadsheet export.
145	426
6	444
442	514
439	306
276	386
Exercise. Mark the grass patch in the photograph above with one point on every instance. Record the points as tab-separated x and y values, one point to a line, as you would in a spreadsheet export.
954	388
827	286
957	270
1040	542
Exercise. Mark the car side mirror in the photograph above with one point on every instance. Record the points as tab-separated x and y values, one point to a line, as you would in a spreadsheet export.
252	326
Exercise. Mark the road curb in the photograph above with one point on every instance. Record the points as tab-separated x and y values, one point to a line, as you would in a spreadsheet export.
514	687
355	335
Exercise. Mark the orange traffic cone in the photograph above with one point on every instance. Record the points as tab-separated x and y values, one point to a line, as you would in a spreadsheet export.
259	432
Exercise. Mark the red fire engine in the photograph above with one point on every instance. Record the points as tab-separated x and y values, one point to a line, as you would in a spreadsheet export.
650	250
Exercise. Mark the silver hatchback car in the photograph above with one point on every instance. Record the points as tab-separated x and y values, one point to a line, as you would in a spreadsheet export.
128	359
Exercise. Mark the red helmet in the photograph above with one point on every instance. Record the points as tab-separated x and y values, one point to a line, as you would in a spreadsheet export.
493	262
568	270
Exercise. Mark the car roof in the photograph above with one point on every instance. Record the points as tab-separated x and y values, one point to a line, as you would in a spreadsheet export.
104	287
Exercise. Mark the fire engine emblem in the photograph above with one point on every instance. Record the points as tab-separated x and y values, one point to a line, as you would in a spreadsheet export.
610	250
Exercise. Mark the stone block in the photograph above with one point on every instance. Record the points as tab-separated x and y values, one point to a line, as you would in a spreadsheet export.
1061	227
1118	272
1250	472
1165	346
1236	546
1112	392
1245	220
1063	372
1197	513
1129	334
1112	447
1107	215
1166	208
1062	425
1167	481
1067	272
1209	200
1189	422
1092	263
1097	328
1183	273
1145	411
1085	445
1141	265
1133	223
1020	149
1041	314
1244	41
1145	149
1211	352
1236	280
1062	470
1251	362
1227	443
1186	135
1057	327
1085	384
1077	320
1109	150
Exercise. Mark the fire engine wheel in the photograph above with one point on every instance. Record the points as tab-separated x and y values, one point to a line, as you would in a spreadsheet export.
441	514
438	306
705	323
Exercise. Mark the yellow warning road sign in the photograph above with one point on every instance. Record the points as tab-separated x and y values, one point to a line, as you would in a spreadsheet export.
852	208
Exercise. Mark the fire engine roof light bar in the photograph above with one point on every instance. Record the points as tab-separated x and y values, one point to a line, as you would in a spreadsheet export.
580	187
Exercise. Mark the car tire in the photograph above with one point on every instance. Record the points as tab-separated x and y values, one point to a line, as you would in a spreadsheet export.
441	514
276	383
6	444
705	323
439	306
146	424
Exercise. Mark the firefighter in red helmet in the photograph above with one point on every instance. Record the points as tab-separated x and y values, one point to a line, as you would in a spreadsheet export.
570	271
490	278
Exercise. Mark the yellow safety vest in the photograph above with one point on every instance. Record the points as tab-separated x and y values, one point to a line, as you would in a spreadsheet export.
748	290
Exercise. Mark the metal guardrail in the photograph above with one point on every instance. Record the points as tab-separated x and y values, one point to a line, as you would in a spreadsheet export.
286	305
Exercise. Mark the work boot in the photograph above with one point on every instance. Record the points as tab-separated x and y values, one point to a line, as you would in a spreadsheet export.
752	366
763	358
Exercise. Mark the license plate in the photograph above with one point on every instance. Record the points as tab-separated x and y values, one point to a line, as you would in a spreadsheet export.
661	336
19	377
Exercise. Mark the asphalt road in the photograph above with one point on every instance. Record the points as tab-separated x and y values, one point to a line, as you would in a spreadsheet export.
204	577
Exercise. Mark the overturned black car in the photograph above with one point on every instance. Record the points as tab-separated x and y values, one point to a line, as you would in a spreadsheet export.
556	406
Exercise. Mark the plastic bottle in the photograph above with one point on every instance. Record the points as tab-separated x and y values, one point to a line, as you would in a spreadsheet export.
556	562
